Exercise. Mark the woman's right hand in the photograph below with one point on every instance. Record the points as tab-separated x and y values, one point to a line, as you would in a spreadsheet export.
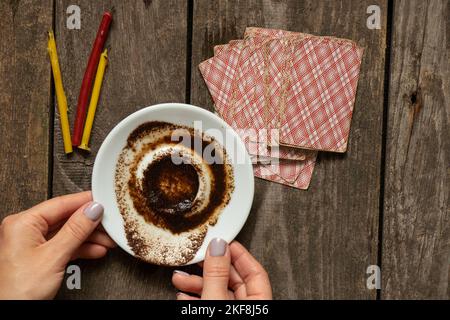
229	272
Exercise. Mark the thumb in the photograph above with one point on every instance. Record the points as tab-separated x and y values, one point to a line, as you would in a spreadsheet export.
76	230
216	271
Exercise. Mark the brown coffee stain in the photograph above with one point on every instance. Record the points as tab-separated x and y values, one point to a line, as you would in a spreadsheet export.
167	195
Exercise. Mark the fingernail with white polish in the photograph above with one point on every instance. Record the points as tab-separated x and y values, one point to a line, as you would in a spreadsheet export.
217	247
182	273
94	211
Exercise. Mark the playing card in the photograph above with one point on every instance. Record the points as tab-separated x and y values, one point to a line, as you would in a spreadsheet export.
286	170
263	150
276	81
247	105
219	48
333	66
218	73
323	75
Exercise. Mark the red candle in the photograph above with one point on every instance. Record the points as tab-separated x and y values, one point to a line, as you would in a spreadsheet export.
88	78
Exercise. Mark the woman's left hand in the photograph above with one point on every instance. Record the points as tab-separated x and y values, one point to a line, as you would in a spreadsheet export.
38	243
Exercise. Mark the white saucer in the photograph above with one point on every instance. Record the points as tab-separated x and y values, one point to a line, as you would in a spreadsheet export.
234	215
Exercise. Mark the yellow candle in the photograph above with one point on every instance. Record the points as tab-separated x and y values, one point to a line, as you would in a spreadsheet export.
94	100
60	95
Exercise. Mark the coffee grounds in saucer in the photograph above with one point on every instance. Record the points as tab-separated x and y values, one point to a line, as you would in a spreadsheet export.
167	206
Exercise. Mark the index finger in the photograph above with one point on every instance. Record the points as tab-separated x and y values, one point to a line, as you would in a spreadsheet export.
60	208
253	274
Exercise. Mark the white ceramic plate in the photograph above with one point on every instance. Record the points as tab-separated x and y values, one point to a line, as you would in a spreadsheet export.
234	215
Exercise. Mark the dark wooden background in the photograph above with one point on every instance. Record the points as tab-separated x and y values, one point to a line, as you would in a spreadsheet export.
384	202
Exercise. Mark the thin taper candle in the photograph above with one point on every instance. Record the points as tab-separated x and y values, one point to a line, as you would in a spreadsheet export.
94	101
60	95
88	78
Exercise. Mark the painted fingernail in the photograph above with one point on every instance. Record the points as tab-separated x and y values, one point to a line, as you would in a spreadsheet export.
217	247
94	211
182	273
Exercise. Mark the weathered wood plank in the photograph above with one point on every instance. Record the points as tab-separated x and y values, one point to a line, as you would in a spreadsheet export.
25	107
316	243
416	234
147	65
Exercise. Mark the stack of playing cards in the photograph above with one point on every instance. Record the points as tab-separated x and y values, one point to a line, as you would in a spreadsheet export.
288	95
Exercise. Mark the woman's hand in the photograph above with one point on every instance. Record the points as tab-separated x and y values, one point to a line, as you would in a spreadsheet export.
229	272
37	244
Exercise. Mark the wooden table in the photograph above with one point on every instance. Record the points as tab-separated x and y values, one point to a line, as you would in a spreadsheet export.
384	202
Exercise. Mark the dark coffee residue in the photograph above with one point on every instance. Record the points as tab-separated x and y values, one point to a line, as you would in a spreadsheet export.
169	197
169	188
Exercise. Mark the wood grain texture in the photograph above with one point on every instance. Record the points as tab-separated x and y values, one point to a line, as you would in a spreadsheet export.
416	234
25	107
316	243
147	65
